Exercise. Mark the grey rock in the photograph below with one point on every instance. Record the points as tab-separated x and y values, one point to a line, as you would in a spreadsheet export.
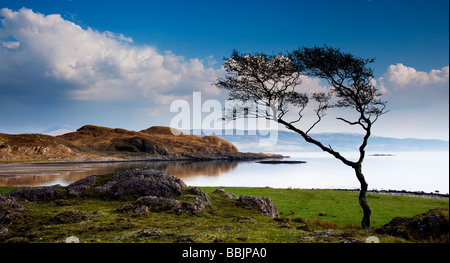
39	193
145	234
262	204
203	195
9	202
135	183
225	193
158	204
78	187
141	210
434	224
69	216
136	187
8	206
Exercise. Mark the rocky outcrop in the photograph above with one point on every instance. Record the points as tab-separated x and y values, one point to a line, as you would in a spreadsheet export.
8	207
78	187
41	152
39	193
139	144
152	190
128	184
432	225
136	183
8	204
262	204
203	195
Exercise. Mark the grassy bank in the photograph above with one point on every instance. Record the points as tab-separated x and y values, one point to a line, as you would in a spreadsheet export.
337	206
306	216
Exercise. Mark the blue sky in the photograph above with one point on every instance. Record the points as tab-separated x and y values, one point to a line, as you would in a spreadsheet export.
122	63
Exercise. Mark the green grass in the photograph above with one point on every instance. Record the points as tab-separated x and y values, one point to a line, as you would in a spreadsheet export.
227	221
341	207
7	189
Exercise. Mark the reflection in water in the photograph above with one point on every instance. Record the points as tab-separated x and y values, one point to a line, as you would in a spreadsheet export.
41	174
210	168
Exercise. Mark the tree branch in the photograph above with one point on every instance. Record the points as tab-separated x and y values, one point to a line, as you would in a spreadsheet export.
317	143
349	122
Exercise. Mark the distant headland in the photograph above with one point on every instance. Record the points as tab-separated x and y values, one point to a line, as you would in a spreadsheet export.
94	143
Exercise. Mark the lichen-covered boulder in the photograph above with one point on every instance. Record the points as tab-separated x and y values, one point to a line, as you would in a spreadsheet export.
78	187
8	205
136	183
39	193
432	225
203	195
221	191
159	204
69	216
145	204
9	202
262	204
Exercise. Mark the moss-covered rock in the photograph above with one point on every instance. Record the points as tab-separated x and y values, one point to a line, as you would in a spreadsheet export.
39	193
431	226
78	187
8	206
69	216
262	204
158	204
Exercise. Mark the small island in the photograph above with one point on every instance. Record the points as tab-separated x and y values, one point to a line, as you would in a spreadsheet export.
280	162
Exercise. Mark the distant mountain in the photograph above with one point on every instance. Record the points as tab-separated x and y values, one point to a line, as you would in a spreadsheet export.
289	141
95	143
58	130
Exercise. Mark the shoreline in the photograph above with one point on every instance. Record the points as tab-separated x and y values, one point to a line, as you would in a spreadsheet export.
400	192
153	159
421	194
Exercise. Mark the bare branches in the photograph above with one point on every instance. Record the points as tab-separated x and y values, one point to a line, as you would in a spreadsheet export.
322	99
349	122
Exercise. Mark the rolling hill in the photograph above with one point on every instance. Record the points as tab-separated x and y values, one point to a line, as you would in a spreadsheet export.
95	143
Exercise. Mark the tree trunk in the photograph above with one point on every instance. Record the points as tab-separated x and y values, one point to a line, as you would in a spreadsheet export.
365	223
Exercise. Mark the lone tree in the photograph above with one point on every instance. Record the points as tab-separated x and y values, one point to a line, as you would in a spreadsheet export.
274	81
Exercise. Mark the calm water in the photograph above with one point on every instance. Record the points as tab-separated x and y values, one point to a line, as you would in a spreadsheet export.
412	171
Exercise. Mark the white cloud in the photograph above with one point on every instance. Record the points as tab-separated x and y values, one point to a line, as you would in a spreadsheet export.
10	44
417	100
310	85
96	66
407	86
118	36
400	76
